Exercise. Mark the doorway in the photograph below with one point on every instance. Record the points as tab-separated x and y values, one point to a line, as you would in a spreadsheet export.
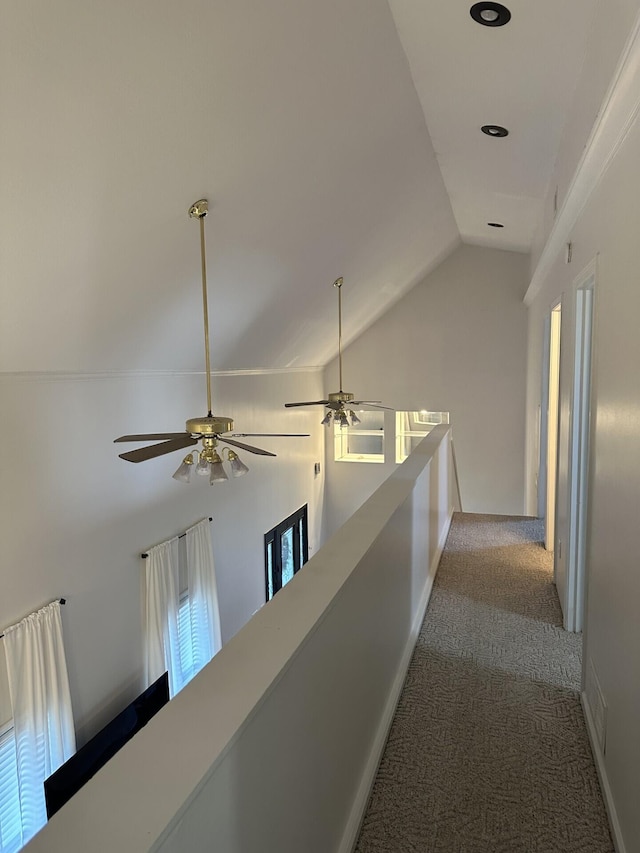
553	411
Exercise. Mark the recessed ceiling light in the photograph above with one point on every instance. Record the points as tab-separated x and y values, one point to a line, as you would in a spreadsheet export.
495	224
490	14
494	130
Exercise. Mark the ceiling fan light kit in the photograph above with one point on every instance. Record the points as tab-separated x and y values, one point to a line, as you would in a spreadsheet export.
183	474
238	468
216	471
340	403
210	430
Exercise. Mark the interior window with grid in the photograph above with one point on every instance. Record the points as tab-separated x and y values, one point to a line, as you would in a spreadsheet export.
411	428
362	441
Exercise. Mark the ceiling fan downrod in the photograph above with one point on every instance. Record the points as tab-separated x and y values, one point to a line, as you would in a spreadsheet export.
209	430
198	211
338	283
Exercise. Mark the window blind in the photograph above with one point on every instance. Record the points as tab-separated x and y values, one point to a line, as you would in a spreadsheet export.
186	642
10	820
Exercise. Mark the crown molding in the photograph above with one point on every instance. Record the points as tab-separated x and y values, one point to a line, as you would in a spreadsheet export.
618	112
87	376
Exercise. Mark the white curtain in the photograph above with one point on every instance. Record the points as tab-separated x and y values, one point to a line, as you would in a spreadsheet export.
181	635
161	607
41	705
203	594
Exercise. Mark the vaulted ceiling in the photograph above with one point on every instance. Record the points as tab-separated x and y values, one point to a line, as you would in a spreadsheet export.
310	125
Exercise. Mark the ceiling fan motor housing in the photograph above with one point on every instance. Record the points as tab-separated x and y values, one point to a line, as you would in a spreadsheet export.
340	397
209	426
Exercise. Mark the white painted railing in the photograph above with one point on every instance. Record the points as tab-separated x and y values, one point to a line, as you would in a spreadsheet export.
272	748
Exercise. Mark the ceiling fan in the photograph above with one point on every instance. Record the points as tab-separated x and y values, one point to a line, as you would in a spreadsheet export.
210	429
341	404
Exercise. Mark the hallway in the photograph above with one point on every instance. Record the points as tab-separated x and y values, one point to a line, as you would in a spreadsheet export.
488	751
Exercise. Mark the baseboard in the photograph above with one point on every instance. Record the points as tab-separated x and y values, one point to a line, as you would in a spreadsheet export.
352	829
614	823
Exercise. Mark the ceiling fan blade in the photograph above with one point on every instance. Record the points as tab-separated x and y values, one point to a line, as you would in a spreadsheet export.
248	447
371	405
152	436
270	434
314	403
144	453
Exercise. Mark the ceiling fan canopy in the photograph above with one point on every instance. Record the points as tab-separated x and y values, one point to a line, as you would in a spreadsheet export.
211	429
341	404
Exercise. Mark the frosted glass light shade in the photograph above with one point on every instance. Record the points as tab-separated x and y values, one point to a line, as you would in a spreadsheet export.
238	468
326	419
183	474
202	468
343	420
218	474
354	418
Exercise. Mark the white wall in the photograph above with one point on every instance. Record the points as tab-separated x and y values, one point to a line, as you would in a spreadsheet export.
608	228
274	745
612	24
75	518
457	343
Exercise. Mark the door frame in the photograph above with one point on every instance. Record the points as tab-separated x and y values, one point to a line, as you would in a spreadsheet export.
543	420
553	428
584	293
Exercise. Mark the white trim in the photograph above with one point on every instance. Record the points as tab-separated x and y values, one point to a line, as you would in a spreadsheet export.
361	799
589	271
614	823
580	433
615	118
552	455
74	376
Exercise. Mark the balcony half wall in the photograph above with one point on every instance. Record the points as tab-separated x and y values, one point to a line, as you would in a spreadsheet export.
274	745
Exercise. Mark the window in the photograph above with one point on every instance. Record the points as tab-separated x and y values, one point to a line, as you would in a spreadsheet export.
411	428
362	442
37	735
286	550
10	818
192	627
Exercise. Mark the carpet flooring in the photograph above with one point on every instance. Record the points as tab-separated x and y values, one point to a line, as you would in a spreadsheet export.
488	751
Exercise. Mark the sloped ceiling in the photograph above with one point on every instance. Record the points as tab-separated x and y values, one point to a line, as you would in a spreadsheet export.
308	124
521	76
297	119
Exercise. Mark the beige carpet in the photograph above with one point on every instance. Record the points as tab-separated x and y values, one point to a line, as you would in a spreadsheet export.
488	752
